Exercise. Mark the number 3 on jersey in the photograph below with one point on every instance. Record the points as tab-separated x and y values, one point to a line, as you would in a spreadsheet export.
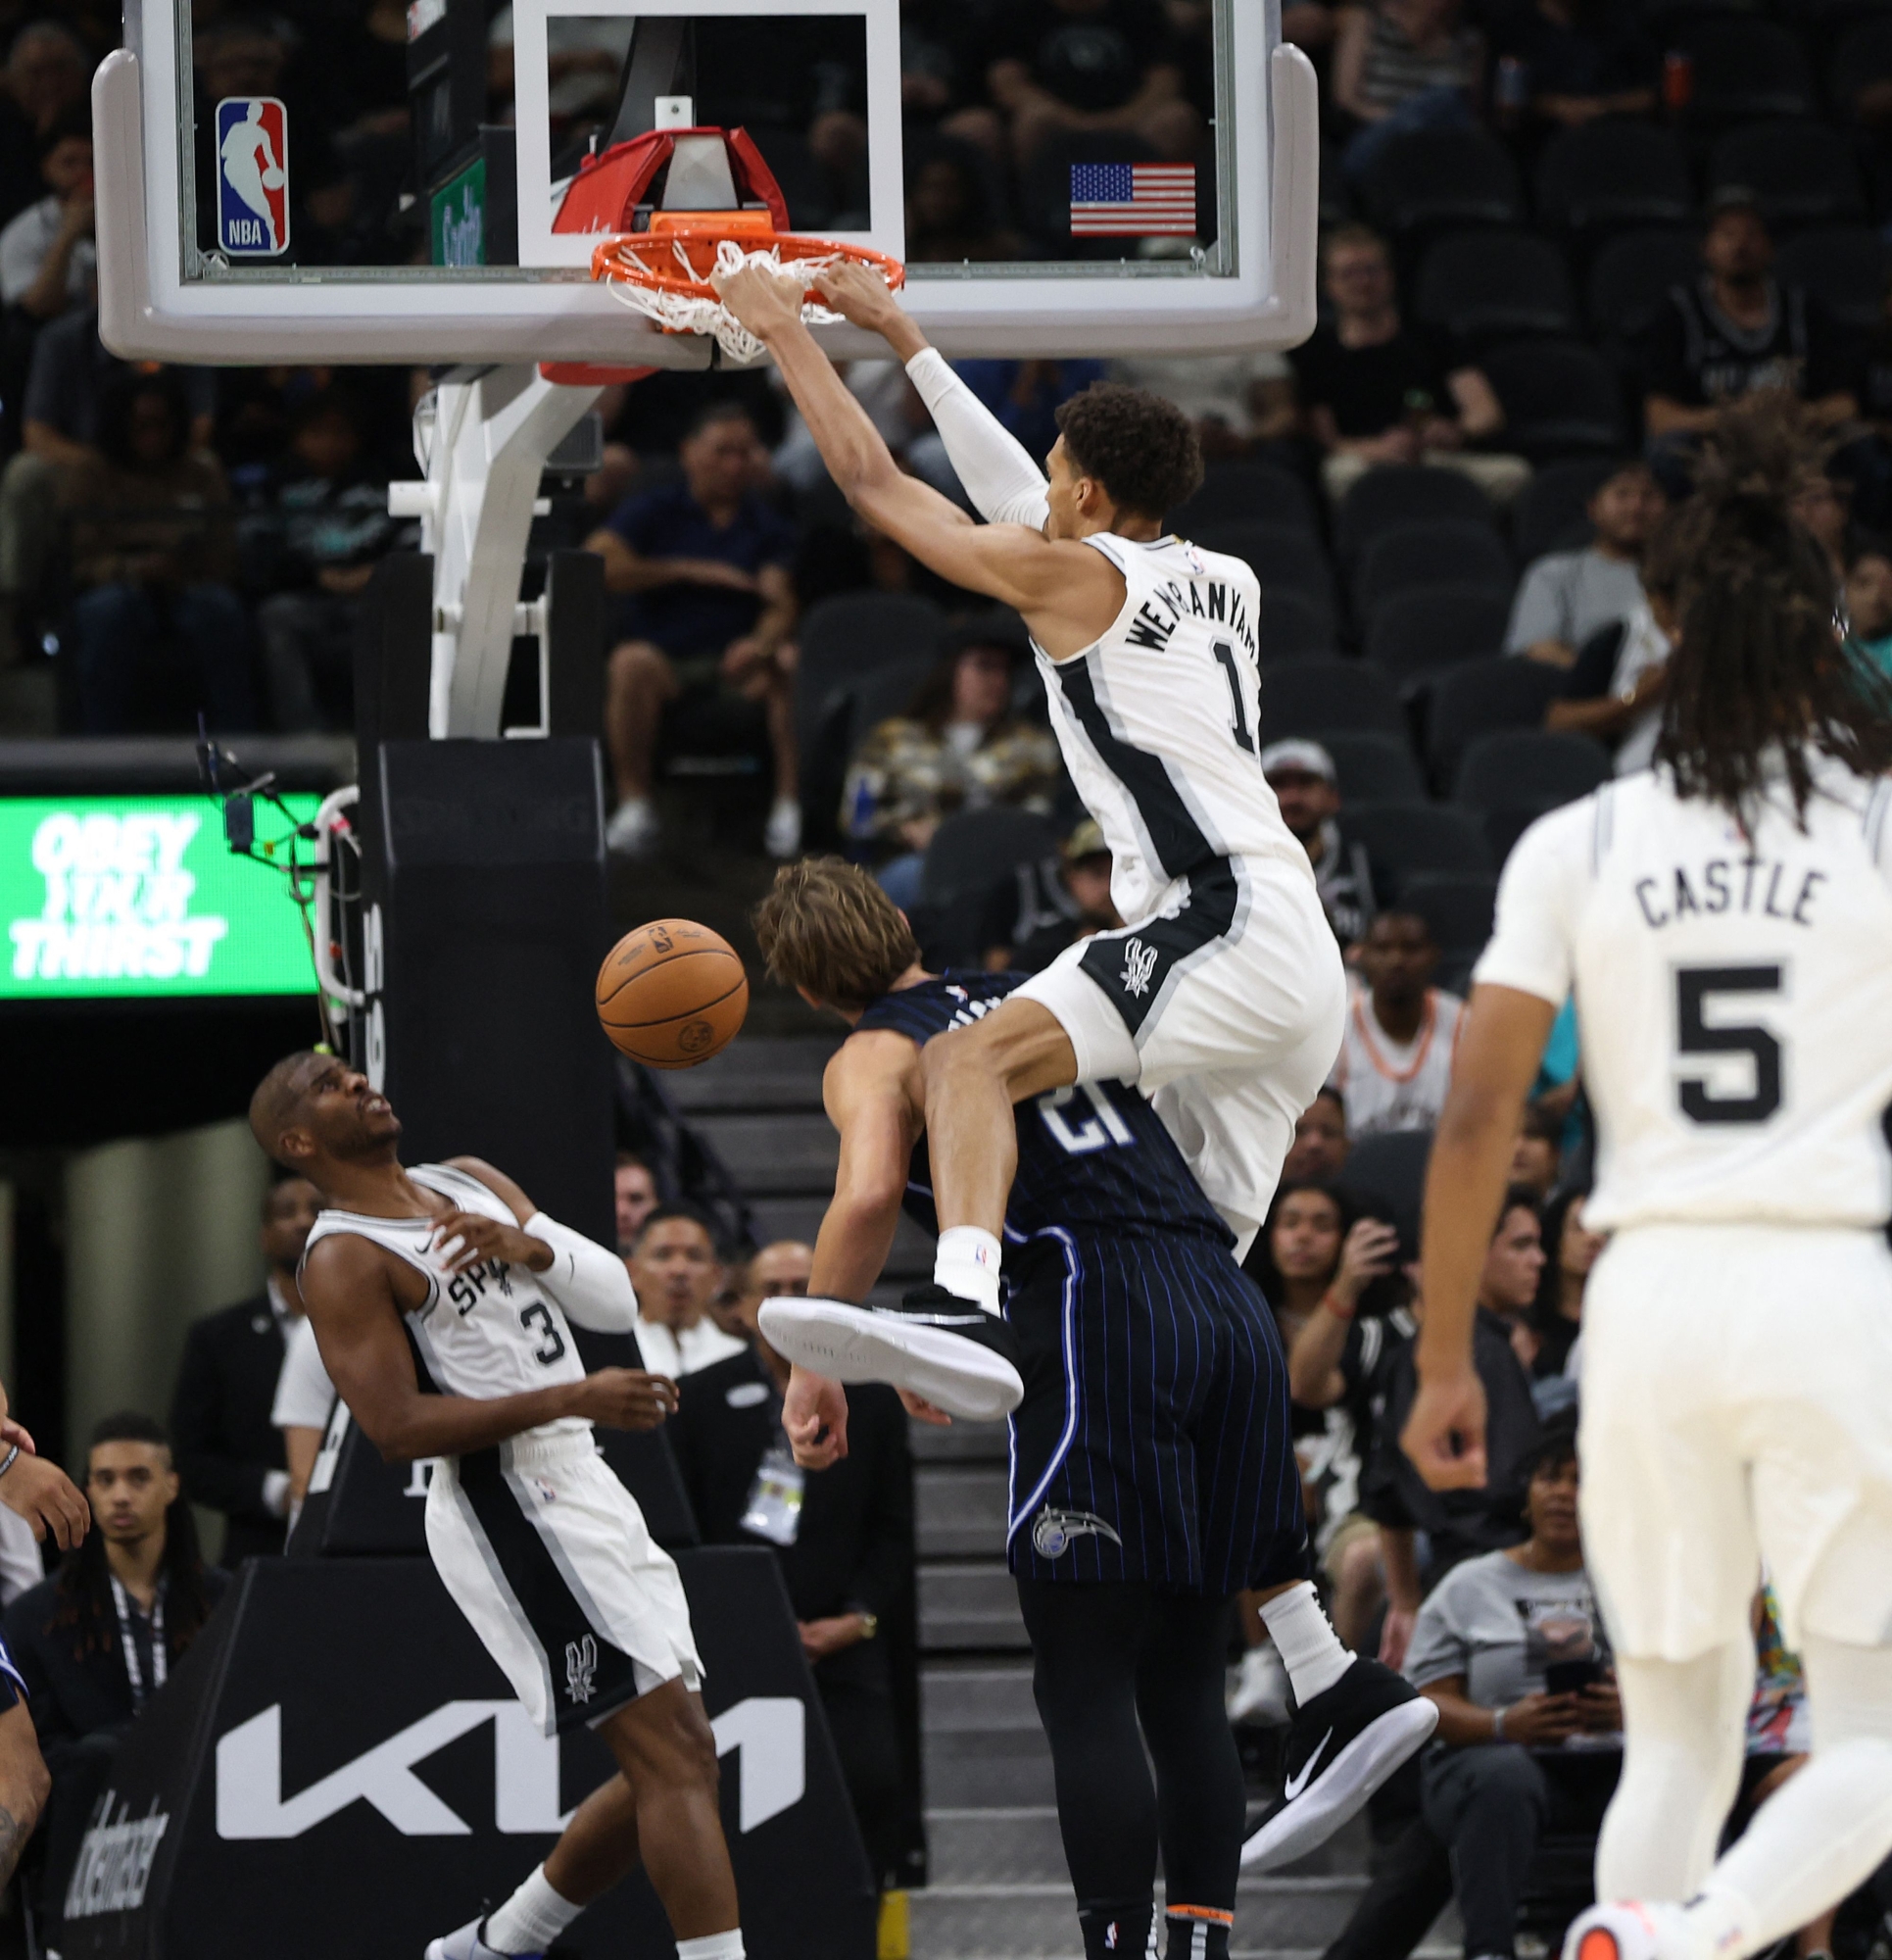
1701	1032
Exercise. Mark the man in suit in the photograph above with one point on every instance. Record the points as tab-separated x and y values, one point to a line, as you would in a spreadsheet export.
228	1450
845	1540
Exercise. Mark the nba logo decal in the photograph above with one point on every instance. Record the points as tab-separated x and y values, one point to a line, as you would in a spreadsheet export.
252	176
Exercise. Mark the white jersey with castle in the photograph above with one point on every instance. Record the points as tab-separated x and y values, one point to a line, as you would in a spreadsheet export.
1389	1084
1159	720
1734	994
485	1333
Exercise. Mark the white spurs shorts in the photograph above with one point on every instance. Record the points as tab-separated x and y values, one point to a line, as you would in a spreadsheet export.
1227	1010
1736	1405
549	1557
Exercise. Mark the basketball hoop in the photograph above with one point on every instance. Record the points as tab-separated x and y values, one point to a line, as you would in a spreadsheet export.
664	272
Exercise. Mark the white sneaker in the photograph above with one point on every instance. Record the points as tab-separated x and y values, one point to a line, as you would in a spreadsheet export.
632	830
465	1944
1261	1693
1630	1931
782	834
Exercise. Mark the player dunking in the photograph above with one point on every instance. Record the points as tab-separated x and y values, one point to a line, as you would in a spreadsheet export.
1726	922
449	1272
1225	999
1152	1471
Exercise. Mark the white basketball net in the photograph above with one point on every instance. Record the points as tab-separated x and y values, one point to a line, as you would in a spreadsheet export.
705	313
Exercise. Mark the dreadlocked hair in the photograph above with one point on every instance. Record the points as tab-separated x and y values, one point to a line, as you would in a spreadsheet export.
1761	667
86	1614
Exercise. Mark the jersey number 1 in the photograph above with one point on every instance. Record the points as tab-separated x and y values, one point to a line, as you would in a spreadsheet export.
1231	665
1695	988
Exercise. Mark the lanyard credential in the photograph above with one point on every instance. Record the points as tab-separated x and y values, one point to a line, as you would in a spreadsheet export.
132	1666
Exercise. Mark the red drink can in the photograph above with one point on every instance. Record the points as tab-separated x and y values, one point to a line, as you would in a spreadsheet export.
1677	80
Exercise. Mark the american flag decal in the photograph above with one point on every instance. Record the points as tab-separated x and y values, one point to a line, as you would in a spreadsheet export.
1133	200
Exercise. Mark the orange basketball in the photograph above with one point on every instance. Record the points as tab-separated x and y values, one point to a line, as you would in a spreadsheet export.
671	994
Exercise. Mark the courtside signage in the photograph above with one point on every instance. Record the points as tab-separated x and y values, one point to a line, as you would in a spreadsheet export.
133	897
252	176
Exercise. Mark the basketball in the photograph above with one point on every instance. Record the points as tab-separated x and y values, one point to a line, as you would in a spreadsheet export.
671	994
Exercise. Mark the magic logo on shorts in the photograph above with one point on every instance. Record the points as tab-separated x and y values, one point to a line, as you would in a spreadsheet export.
252	176
1054	1532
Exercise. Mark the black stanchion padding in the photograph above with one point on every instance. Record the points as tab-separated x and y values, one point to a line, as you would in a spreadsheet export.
337	1767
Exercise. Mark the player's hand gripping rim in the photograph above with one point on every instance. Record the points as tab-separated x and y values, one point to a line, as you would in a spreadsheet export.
466	1239
1445	1432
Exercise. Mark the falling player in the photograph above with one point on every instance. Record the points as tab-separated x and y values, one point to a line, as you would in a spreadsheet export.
447	1271
1152	1471
1726	924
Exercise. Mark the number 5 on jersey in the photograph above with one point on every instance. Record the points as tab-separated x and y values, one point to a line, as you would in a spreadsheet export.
1701	1031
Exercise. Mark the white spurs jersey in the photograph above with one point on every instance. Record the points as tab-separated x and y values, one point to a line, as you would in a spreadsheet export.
488	1332
1734	996
1158	720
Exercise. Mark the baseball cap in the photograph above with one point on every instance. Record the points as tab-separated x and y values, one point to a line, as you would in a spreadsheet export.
1084	841
1309	758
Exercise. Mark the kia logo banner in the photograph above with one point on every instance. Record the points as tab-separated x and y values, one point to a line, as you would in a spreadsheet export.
337	1767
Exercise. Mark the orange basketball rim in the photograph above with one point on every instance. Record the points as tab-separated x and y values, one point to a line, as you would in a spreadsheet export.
678	254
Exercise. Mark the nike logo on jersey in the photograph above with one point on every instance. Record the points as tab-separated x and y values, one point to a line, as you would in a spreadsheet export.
1291	1786
1055	1532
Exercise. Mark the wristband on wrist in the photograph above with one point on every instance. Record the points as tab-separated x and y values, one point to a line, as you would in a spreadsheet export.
7	1461
1337	1308
1497	1724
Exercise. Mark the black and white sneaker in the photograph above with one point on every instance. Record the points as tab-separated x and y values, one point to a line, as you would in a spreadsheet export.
1343	1745
934	1344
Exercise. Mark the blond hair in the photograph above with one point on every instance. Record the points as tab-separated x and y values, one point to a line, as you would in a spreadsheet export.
826	925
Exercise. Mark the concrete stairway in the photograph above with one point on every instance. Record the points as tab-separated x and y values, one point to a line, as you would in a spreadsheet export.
999	1891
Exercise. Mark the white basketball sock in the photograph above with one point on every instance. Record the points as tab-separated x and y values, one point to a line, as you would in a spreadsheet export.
1309	1647
967	1265
531	1918
712	1946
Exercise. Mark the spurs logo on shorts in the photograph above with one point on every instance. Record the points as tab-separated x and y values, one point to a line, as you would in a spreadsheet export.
1055	1530
1140	966
581	1667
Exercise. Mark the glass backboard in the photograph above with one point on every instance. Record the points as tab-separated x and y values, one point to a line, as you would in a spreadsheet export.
1060	177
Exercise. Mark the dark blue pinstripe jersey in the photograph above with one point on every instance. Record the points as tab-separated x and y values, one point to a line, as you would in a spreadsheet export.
1095	1156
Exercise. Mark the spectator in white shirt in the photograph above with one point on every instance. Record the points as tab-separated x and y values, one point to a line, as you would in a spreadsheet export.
1401	1032
304	1402
1567	595
677	1270
47	258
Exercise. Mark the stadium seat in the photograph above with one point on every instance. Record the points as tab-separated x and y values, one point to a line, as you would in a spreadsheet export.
1801	173
1414	633
1451	552
1551	513
1457	905
1481	286
1402	493
1281	556
973	848
1518	765
1560	397
1402	838
1391	1168
1478	699
1744	69
1630	277
1373	767
1304	697
1247	493
1295	626
1613	175
1437	178
1844	266
1863	56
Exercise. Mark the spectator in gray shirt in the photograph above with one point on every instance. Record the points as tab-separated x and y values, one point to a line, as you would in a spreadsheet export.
1511	1646
1567	595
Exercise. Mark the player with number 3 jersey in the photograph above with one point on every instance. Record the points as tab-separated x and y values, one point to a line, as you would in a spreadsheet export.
1726	923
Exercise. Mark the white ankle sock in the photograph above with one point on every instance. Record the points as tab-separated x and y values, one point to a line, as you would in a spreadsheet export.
531	1918
712	1946
1310	1649
967	1265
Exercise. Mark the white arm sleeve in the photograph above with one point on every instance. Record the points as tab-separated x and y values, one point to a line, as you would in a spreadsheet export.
589	1283
1006	485
305	1396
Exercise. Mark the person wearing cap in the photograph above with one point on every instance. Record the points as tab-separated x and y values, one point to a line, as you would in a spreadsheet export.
959	745
1302	777
1735	330
1031	917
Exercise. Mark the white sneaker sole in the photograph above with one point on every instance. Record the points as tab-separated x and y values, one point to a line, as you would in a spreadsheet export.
849	1344
1343	1792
